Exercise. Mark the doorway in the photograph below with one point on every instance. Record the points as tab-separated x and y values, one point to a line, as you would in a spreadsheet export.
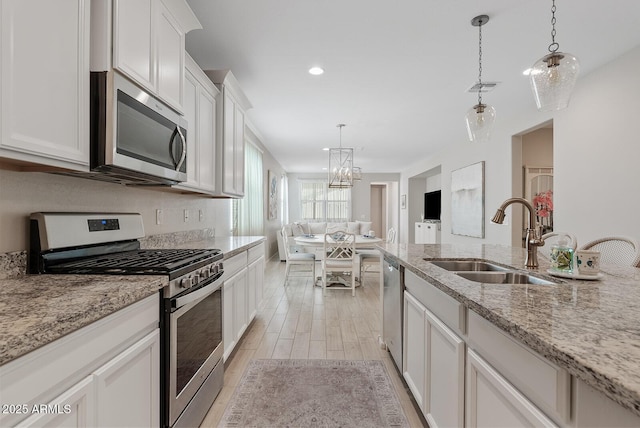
532	176
378	209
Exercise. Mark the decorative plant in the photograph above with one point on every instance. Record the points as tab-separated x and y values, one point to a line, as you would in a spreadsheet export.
543	203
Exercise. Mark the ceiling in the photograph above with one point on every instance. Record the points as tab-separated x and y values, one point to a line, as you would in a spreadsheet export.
396	73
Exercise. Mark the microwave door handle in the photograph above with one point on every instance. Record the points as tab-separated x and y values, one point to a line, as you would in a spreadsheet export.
184	149
179	163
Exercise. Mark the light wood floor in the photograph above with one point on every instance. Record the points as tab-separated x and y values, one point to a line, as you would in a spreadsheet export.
298	322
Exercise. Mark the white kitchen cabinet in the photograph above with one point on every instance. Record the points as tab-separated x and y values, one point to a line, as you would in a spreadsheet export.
107	372
231	136
593	409
235	318
74	408
433	365
242	294
44	81
127	387
542	383
427	233
445	375
148	43
493	402
255	286
414	353
200	110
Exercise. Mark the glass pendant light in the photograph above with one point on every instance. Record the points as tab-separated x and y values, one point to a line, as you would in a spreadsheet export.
481	117
340	165
554	75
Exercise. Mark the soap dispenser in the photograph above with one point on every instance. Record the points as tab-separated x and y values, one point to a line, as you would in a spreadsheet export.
562	256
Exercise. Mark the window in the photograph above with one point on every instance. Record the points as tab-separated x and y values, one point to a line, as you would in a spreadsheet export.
320	203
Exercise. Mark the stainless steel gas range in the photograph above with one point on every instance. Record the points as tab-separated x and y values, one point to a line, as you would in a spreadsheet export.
191	305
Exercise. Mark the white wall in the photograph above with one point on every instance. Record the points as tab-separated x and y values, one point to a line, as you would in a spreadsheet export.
22	193
597	154
596	158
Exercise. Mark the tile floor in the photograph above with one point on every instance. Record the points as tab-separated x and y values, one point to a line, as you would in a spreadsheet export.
298	322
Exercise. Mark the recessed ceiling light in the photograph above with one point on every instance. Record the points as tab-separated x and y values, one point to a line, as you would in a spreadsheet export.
326	149
316	71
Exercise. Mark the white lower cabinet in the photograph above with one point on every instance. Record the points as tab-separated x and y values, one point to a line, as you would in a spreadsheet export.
433	365
493	402
74	408
414	353
127	387
105	374
255	284
242	294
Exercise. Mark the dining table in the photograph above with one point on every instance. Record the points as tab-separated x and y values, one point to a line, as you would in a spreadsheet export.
317	243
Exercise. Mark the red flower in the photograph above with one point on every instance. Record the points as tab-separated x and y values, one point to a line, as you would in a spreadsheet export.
543	203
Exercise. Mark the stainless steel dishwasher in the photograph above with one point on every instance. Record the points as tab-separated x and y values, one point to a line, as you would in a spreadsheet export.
392	303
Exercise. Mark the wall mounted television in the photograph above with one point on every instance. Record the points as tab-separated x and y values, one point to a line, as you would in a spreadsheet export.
432	202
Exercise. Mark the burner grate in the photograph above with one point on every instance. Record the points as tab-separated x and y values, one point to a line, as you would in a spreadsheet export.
139	261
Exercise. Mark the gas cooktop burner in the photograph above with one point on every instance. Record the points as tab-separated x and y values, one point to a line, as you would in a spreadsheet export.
145	262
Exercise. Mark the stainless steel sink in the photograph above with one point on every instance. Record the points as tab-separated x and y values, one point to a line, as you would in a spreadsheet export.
467	265
503	278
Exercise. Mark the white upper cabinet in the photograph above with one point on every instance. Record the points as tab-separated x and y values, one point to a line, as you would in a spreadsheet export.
44	82
200	109
230	151
147	38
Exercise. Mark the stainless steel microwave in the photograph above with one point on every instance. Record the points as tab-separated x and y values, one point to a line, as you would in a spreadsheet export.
135	138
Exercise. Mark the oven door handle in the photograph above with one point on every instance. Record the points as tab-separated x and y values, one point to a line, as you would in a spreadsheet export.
200	292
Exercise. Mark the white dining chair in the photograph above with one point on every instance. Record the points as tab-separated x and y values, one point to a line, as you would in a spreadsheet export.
296	259
339	253
617	250
369	258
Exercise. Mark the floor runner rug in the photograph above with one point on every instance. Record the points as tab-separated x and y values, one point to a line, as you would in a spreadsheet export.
315	393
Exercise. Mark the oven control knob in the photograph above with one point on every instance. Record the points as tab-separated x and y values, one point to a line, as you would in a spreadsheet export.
186	282
196	278
204	273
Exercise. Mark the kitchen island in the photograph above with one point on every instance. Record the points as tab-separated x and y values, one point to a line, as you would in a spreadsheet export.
588	328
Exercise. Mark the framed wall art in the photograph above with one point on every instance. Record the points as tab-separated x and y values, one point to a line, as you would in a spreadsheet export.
467	201
273	196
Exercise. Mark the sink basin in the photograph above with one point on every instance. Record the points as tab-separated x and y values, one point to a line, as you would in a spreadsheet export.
503	278
467	265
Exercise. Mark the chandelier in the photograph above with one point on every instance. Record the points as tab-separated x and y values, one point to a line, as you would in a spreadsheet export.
553	76
340	165
481	117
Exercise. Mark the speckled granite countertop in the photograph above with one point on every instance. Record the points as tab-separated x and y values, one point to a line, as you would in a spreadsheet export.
590	328
38	309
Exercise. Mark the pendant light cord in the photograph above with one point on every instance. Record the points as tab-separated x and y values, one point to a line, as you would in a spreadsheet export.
480	63
553	47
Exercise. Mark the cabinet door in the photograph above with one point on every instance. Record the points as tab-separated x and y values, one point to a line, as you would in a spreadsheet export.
169	56
127	387
44	81
445	375
228	330
133	40
241	318
255	280
206	140
74	408
228	145
190	106
494	402
239	152
414	353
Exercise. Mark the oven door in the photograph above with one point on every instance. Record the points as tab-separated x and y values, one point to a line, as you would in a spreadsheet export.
194	337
